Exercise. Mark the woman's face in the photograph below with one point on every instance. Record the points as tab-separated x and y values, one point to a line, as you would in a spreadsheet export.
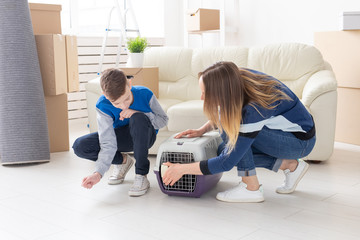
202	88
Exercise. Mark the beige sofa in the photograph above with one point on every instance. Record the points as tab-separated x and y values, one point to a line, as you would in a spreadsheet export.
301	67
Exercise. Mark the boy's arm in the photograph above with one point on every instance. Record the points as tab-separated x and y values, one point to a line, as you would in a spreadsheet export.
108	142
157	117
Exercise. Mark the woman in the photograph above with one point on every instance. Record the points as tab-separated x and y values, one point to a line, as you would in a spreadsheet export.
263	124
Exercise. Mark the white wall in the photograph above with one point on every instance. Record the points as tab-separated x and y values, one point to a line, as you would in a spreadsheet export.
259	22
174	22
244	22
263	21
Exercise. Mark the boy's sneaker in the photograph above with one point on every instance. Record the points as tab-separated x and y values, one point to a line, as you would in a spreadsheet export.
140	186
293	178
120	171
241	195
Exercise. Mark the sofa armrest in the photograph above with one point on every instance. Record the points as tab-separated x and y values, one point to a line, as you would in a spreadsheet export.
319	83
93	92
94	86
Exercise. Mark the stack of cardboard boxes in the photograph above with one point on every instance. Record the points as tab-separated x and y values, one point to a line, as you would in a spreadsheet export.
59	70
342	50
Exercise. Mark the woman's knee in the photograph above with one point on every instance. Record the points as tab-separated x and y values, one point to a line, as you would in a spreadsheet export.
309	147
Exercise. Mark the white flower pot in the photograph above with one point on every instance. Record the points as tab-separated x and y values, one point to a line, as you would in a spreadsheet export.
135	60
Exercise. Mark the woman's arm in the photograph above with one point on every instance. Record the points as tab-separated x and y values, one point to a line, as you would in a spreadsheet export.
208	126
222	163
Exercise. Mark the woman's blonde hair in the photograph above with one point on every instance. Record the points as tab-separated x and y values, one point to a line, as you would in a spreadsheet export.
228	89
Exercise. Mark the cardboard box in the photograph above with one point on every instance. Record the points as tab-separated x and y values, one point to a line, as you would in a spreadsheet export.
58	124
45	18
146	76
72	64
342	50
52	58
203	20
350	21
348	116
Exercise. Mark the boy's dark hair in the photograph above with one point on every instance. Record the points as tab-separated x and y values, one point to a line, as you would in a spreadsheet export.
113	83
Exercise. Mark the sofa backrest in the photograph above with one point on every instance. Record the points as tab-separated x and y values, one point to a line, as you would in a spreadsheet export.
175	79
203	58
291	63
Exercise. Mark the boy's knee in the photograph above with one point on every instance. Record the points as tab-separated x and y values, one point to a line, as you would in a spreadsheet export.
80	147
137	118
140	125
77	146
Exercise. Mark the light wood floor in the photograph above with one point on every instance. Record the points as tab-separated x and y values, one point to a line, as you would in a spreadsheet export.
47	202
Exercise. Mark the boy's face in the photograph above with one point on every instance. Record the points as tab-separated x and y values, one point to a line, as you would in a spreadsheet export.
124	101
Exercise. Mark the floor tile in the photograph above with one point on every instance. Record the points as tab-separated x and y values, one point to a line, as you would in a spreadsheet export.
327	221
325	204
24	226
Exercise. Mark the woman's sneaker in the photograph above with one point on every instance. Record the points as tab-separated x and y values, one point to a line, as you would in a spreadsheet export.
293	178
120	171
241	195
140	186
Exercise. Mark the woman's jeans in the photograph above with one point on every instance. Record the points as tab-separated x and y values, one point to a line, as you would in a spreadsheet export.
269	149
138	136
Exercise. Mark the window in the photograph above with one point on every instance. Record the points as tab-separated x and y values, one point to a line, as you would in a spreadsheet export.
89	17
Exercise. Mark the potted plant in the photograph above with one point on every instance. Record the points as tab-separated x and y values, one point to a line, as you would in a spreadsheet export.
136	47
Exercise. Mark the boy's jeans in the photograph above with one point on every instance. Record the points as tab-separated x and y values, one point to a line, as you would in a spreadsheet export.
269	149
138	137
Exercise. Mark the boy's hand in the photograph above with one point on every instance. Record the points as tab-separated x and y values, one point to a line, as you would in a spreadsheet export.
127	113
89	181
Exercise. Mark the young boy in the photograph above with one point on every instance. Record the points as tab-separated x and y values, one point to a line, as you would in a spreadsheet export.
128	120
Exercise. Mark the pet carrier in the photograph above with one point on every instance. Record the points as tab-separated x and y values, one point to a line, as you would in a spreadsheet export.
188	150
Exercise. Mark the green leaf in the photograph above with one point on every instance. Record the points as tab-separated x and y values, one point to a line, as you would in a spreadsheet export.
137	45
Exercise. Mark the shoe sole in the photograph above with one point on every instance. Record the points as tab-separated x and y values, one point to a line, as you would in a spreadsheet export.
241	201
119	181
248	200
138	194
115	182
296	183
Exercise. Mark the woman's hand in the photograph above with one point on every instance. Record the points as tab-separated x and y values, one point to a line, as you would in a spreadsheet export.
172	174
89	181
190	133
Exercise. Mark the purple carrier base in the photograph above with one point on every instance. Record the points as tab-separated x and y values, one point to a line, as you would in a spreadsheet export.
203	184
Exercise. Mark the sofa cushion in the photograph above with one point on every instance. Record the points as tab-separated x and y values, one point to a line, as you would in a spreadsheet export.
166	103
185	89
186	115
292	63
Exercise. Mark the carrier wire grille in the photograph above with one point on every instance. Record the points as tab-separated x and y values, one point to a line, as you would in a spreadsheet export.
187	182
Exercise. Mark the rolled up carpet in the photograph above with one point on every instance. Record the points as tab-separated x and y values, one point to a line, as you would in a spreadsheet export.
23	125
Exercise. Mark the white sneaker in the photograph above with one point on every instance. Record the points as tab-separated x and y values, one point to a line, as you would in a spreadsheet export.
241	194
140	186
293	178
120	171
